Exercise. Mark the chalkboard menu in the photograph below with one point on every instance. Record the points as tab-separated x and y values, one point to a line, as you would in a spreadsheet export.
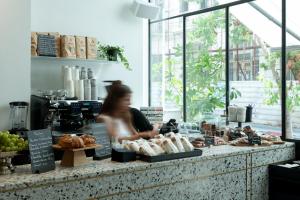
41	152
209	141
253	139
100	133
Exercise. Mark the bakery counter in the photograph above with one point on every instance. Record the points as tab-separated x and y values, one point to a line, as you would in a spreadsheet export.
222	172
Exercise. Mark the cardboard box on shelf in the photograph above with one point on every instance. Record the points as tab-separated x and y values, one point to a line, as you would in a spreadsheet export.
91	48
80	47
33	44
68	46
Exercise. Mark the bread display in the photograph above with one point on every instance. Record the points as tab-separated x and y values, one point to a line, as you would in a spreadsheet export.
68	142
171	143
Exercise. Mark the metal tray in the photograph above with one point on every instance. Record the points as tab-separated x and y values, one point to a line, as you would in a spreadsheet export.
164	157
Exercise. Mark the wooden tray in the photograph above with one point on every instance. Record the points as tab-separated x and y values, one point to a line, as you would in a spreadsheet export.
74	157
58	147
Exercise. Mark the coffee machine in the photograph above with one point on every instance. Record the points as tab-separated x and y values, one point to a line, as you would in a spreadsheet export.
63	115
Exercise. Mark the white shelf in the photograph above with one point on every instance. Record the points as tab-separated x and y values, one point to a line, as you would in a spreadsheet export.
47	58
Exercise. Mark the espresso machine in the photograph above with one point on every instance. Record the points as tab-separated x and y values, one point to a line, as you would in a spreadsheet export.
69	116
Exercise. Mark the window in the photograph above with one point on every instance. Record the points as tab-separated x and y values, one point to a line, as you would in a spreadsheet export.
171	8
205	64
166	70
255	61
293	70
255	54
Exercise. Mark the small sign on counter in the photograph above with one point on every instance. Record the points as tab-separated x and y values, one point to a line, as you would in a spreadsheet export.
254	140
41	152
100	133
209	141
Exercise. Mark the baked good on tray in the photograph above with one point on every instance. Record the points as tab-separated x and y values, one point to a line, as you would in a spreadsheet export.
88	140
168	144
71	142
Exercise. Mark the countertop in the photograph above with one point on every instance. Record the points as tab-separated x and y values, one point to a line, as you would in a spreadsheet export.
23	178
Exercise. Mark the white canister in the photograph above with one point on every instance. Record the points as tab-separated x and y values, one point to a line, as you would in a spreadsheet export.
232	113
87	89
79	92
67	76
241	114
93	89
75	73
70	88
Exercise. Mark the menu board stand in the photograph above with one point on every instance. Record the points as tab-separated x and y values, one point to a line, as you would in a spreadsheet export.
99	131
41	151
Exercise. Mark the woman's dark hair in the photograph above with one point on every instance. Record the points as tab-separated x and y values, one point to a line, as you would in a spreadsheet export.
115	93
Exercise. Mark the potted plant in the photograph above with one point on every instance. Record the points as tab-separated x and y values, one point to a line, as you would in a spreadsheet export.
112	53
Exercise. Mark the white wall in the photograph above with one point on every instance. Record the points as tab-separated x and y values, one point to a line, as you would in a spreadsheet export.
14	55
110	21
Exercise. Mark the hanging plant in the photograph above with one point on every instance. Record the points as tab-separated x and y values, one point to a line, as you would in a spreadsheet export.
112	53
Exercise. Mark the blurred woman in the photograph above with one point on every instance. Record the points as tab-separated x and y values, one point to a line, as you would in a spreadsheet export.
117	115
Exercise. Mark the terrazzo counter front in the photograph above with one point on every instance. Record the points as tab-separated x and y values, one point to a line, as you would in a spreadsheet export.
222	172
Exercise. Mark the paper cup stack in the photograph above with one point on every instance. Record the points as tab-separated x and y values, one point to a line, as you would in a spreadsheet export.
78	84
68	81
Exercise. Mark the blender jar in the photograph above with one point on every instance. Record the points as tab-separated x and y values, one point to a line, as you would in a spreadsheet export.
18	115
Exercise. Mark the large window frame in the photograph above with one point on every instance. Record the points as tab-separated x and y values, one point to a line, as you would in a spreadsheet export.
227	50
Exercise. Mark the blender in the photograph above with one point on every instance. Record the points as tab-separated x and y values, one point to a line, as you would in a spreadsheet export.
18	116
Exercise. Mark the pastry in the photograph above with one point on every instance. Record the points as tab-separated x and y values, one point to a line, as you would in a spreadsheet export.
198	144
134	146
176	141
77	142
65	141
88	140
186	144
68	141
169	147
170	134
157	149
147	150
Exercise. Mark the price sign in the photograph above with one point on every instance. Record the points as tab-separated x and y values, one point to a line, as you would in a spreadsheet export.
100	133
41	152
254	140
209	140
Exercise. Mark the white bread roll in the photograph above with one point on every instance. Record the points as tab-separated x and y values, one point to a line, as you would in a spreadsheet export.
177	142
147	150
186	144
134	146
157	149
169	147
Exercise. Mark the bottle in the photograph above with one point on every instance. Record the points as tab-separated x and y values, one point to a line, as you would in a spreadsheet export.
93	89
83	73
87	89
90	73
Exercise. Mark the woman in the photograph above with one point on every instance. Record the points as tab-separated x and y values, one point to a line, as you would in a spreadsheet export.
117	116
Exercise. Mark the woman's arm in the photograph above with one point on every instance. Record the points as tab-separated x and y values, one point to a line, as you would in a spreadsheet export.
109	124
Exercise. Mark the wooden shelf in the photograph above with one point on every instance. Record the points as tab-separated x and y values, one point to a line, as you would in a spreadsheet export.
47	58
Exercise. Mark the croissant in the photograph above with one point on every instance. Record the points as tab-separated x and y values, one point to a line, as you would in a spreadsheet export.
88	140
65	141
77	142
